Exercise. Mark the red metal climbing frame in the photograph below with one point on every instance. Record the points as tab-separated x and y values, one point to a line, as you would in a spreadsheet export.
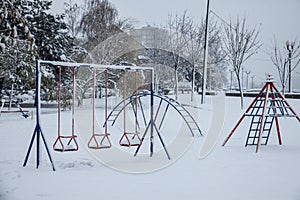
267	106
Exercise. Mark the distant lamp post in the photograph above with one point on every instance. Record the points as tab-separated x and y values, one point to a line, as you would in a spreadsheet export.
252	83
290	48
247	82
231	77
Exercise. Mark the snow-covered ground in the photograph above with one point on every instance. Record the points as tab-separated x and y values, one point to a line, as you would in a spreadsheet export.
230	172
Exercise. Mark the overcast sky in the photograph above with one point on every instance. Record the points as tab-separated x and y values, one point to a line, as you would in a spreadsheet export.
278	19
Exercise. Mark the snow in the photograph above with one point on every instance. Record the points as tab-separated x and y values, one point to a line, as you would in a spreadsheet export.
15	32
230	172
2	47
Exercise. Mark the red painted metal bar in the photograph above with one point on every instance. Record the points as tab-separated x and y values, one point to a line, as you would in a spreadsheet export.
60	139
136	105
93	102
276	118
73	101
58	100
137	140
136	134
262	116
93	139
124	100
106	96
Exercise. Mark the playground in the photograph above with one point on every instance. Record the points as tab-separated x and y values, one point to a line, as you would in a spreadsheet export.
167	167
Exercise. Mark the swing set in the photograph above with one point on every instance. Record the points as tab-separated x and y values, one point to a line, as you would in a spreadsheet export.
65	143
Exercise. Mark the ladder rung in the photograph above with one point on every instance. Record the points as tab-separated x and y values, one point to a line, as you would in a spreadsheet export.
266	122
254	115
257	107
280	115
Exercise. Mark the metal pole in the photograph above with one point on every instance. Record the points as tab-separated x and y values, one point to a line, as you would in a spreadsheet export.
151	114
242	79
193	72
290	48
247	83
193	83
205	56
231	76
252	84
11	96
290	72
38	131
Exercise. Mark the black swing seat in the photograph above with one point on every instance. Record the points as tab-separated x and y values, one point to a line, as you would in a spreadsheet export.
99	141
65	143
130	139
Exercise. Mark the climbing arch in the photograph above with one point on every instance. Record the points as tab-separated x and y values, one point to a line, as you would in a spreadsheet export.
189	120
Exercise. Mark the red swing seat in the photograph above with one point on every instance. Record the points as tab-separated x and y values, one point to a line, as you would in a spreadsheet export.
65	143
99	141
130	139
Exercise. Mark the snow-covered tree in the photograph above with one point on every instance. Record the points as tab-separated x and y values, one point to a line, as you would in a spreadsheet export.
73	14
98	21
216	56
52	39
51	33
17	49
101	21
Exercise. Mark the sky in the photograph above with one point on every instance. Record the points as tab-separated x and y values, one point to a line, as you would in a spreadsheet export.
277	19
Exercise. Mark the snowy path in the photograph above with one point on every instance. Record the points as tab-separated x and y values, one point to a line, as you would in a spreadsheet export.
230	172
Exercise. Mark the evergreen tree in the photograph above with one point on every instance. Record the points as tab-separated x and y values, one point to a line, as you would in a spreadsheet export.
52	39
16	49
51	33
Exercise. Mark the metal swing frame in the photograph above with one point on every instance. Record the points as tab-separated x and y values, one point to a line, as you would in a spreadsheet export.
38	135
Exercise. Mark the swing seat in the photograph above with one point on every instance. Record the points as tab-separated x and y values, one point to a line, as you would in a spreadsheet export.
99	141
130	139
65	143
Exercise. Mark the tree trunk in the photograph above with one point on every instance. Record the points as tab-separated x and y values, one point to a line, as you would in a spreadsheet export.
193	83
1	86
176	83
241	92
283	90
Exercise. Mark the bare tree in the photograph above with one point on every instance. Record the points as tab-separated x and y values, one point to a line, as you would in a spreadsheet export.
286	60
100	21
240	43
178	27
280	63
73	13
195	51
